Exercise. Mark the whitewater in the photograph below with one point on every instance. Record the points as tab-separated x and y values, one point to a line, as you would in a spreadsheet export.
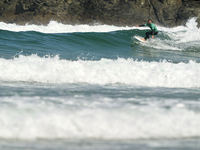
121	71
97	87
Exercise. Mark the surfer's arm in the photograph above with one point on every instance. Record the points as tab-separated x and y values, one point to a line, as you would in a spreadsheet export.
140	25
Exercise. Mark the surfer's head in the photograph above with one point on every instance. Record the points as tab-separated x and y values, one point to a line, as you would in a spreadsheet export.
149	21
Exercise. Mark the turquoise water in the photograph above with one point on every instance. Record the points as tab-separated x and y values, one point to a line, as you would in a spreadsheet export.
97	87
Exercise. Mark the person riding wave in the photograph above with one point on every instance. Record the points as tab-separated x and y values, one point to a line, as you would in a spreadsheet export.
154	30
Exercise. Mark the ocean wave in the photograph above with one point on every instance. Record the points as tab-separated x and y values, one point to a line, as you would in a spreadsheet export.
105	71
30	121
181	38
55	27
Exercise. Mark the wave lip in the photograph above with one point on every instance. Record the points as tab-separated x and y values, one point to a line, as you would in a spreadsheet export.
55	27
121	71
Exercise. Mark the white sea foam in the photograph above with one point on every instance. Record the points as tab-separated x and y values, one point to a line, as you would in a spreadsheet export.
22	120
55	27
184	34
124	71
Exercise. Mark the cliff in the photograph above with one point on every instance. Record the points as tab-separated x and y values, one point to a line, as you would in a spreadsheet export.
116	12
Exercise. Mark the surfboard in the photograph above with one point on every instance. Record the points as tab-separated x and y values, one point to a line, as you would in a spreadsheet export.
139	39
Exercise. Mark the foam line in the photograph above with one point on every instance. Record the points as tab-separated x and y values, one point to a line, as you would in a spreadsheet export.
30	121
55	27
124	71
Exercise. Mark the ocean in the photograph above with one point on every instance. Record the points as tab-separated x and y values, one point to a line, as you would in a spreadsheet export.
95	87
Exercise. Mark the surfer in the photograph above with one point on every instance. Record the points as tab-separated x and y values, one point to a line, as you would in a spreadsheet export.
154	30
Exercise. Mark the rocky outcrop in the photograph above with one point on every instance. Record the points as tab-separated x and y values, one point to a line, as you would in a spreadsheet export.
190	8
117	12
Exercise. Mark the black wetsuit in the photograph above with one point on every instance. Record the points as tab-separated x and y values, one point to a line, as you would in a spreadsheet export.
153	31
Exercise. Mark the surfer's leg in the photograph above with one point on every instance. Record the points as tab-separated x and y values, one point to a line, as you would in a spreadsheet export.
154	33
147	35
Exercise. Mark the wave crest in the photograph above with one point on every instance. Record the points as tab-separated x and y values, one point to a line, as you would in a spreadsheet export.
105	71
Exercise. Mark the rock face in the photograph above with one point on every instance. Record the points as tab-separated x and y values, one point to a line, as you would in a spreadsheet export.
116	12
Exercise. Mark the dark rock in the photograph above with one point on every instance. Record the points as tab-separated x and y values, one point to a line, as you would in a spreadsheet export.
116	12
189	9
166	11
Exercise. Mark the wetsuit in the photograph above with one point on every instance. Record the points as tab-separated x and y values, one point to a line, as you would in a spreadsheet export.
154	30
